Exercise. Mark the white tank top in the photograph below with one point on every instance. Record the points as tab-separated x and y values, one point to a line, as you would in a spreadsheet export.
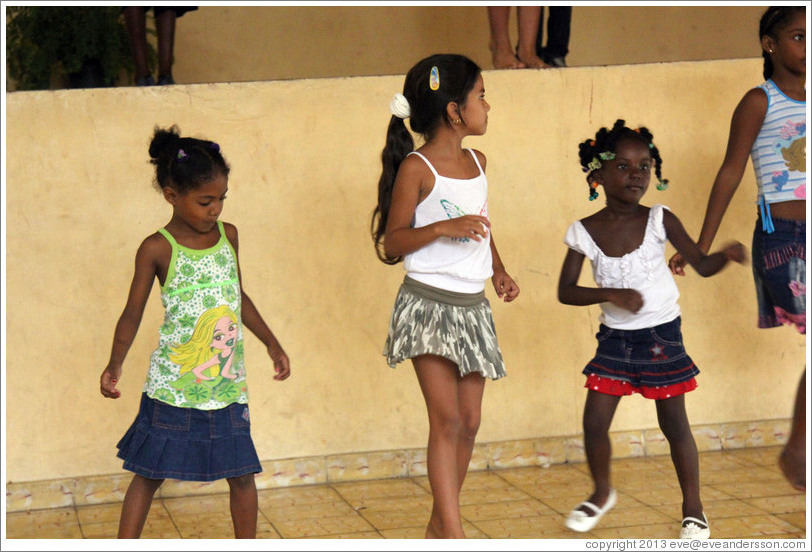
454	264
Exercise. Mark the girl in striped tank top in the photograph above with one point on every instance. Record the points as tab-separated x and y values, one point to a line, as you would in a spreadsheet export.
769	126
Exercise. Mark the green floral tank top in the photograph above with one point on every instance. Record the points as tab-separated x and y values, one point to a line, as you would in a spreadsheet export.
199	359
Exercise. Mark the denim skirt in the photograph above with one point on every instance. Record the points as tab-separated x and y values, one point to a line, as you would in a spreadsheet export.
779	271
649	361
166	441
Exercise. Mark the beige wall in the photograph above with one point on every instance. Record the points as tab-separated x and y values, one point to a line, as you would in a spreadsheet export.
228	44
258	43
305	162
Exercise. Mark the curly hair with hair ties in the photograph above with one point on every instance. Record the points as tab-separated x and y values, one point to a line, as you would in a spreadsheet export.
602	147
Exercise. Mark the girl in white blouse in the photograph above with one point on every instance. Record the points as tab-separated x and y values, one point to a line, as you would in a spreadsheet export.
640	346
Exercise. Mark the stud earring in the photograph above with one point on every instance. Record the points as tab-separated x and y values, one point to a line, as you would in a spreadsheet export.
457	121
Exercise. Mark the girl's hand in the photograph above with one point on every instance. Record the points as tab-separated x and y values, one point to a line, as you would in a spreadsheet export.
735	252
198	370
677	264
629	299
281	363
108	381
504	285
466	226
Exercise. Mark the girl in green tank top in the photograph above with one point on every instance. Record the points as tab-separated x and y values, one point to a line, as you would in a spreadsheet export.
193	422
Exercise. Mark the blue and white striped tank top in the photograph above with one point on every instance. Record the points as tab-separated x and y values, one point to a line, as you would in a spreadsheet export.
779	152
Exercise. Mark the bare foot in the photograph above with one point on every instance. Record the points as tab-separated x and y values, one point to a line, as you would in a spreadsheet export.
503	57
433	533
531	60
793	467
430	532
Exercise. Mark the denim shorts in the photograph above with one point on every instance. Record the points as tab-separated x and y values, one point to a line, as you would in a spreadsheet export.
166	441
649	361
779	271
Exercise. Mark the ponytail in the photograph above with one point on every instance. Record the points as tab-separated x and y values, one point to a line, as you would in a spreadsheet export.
399	144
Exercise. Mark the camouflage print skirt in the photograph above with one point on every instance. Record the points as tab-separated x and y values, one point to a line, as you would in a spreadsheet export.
457	326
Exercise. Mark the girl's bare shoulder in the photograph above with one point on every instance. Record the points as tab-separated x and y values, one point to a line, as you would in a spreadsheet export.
415	174
230	229
155	244
414	165
154	252
481	157
754	102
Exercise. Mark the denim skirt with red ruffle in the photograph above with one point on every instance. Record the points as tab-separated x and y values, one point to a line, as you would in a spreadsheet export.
649	361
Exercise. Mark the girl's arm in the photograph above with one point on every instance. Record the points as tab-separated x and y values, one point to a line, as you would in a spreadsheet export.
147	260
503	284
254	321
199	369
506	288
570	293
705	265
744	128
410	185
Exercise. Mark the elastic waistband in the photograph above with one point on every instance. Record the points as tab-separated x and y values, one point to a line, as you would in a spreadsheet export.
452	298
448	282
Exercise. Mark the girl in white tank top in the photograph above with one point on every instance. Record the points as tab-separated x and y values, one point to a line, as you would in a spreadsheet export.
432	213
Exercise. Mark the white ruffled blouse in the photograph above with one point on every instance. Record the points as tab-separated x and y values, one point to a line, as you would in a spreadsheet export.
644	269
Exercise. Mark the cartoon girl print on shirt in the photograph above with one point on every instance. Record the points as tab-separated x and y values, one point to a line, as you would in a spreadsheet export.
207	358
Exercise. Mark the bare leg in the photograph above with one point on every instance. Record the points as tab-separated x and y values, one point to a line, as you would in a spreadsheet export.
165	28
528	17
454	410
135	21
598	413
674	424
501	51
134	510
792	460
243	502
471	389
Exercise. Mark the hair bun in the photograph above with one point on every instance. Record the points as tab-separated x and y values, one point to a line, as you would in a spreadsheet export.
164	141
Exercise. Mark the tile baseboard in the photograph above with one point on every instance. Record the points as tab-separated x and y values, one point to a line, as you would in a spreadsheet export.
334	468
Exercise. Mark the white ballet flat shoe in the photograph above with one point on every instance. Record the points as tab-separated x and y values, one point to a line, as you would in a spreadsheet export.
695	529
581	522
